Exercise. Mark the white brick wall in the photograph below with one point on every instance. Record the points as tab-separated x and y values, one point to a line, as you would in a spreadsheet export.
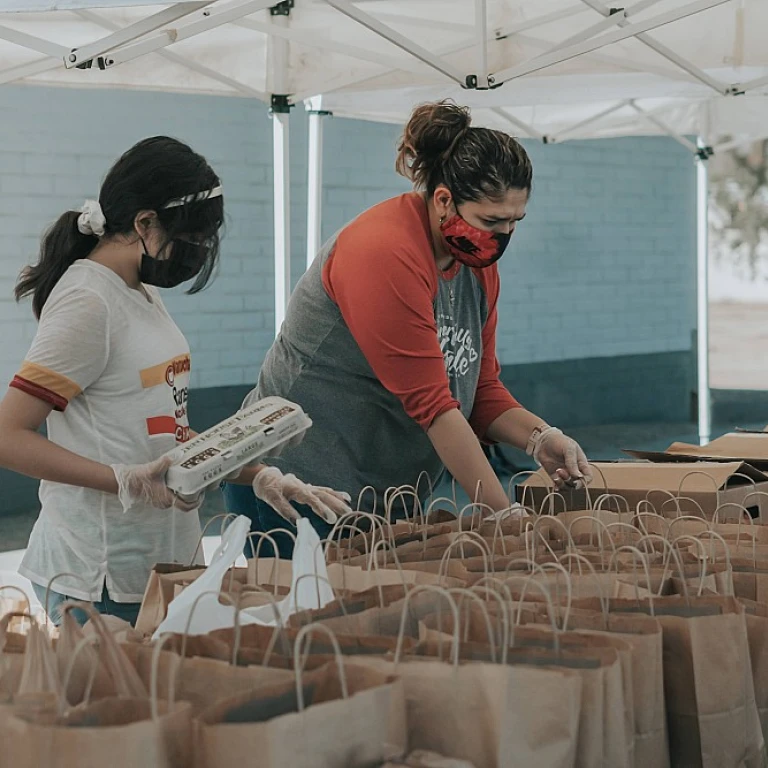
603	265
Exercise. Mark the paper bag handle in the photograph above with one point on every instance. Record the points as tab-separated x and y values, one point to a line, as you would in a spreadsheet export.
550	497
362	493
406	602
600	500
694	472
424	475
601	527
527	473
470	537
580	559
712	535
463	592
637	555
67	679
440	499
673	553
702	558
224	517
676	501
622	527
503	597
547	597
14	588
639	516
300	659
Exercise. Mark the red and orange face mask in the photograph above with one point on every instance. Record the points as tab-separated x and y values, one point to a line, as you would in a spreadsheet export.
471	246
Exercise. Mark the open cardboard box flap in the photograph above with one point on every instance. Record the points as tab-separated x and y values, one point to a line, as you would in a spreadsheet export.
747	447
643	475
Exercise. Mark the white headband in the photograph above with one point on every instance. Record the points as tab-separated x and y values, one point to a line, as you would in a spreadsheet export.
92	221
193	198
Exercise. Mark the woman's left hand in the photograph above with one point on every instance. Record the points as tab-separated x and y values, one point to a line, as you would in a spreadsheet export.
562	459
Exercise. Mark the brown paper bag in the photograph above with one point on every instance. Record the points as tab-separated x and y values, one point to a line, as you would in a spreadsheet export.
200	681
710	697
603	739
491	715
757	635
115	732
323	727
644	635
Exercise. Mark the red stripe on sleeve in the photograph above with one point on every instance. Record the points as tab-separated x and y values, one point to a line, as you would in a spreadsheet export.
58	402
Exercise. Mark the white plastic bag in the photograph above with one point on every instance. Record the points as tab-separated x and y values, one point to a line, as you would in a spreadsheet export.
201	598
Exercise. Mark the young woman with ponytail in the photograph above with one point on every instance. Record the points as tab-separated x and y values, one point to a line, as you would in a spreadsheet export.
108	372
390	337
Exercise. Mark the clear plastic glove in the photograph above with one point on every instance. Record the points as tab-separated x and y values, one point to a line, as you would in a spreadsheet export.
144	484
562	459
279	490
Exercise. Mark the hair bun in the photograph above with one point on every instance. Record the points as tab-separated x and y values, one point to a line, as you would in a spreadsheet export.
430	135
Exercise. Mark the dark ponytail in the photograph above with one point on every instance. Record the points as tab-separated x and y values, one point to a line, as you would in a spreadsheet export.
153	173
439	146
63	244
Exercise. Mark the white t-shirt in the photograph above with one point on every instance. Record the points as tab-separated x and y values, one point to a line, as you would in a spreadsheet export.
115	367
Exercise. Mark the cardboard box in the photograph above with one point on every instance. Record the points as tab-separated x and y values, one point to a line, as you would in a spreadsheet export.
749	447
709	484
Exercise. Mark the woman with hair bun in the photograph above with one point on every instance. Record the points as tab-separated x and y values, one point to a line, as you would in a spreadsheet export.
390	337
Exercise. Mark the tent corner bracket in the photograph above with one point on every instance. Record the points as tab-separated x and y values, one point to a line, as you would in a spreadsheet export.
280	104
282	9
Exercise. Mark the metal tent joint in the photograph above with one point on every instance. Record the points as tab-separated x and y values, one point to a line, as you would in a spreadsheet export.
282	9
280	103
100	62
735	90
704	153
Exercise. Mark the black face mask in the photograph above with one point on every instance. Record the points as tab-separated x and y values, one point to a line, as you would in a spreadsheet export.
185	261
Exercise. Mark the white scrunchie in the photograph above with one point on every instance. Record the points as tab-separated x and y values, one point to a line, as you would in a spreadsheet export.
91	221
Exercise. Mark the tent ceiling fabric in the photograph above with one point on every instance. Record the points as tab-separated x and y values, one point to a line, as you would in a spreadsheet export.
681	71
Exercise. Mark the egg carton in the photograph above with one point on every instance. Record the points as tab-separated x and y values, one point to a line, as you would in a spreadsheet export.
261	430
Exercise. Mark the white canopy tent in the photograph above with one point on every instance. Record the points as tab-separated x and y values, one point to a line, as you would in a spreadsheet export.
551	69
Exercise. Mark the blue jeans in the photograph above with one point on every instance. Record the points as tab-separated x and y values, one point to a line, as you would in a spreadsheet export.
240	500
127	611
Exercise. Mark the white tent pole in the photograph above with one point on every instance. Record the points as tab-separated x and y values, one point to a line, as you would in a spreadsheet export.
402	42
702	297
752	85
34	43
590	120
208	19
609	38
661	49
664	127
282	218
315	178
190	64
529	129
281	112
481	26
36	67
132	32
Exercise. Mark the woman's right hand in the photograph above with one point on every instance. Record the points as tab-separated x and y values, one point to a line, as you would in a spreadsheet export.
144	484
